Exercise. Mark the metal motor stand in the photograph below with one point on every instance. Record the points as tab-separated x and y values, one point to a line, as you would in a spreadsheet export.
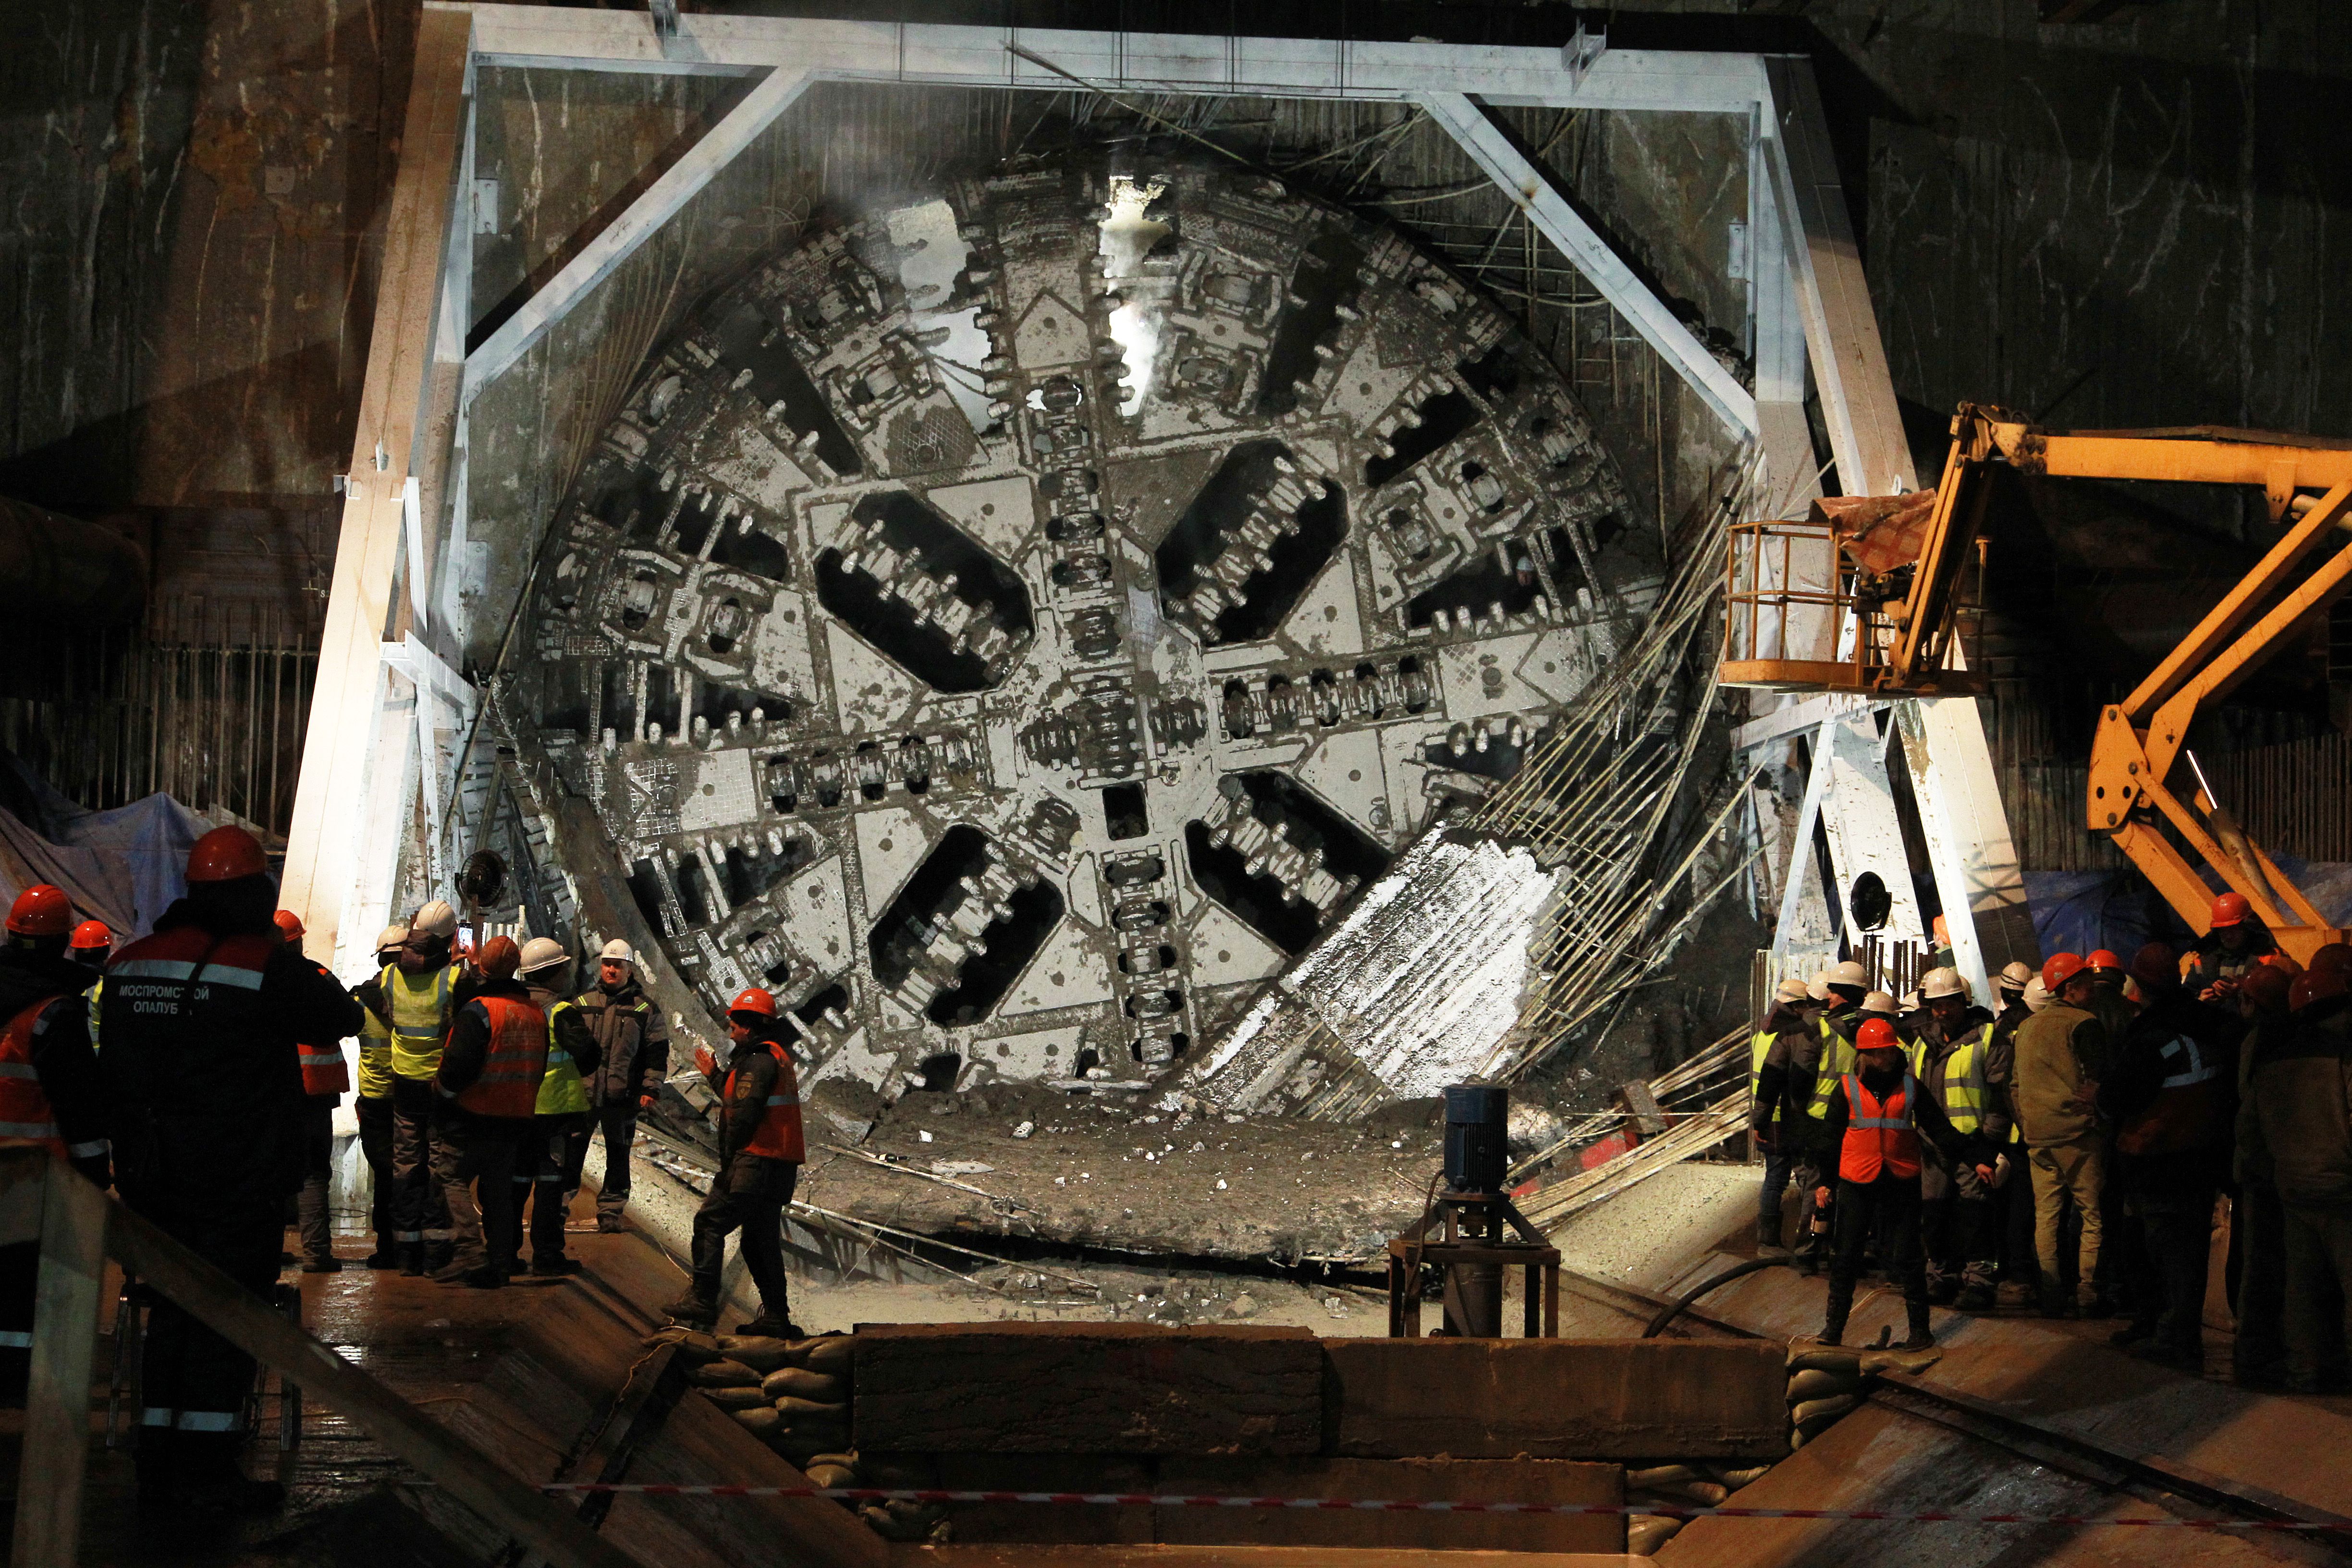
1482	1234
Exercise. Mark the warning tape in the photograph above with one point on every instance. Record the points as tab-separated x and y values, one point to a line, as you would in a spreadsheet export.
1372	1505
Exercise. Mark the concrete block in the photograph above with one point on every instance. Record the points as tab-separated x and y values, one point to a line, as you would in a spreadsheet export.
1410	1480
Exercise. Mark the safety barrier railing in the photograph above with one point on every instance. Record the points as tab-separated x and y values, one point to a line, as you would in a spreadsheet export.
1799	615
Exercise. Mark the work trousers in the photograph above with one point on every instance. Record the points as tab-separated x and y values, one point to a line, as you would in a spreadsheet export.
2066	1174
619	1125
1888	1209
2258	1225
314	1219
2318	1286
2169	1286
2015	1197
474	1157
749	1194
415	1169
558	1146
375	1147
1783	1165
1956	1222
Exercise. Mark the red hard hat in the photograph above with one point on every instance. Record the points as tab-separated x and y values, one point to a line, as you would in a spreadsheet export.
754	1001
41	910
2267	987
1876	1034
498	958
2336	957
2103	959
2058	969
90	934
2231	909
225	854
2155	966
289	924
2315	986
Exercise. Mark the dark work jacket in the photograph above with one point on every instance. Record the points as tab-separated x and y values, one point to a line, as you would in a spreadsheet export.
2215	962
634	1039
1935	1131
68	1070
1784	1085
2132	1094
2300	1086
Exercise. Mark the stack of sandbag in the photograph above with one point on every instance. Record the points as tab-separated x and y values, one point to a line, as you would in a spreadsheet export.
1699	1483
1827	1381
793	1395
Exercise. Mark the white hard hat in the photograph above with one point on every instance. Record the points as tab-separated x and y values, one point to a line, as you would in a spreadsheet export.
1819	990
393	936
1913	1001
616	952
1880	1003
435	918
1792	991
542	953
2016	976
2037	995
1945	981
1850	974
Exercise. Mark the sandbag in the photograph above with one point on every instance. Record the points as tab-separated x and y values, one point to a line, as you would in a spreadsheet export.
828	1353
1819	1382
830	1476
760	1423
1703	1494
722	1374
801	1383
1825	1358
1747	1475
801	1449
1814	1413
1645	1532
812	1412
735	1398
900	1520
692	1344
760	1352
1661	1475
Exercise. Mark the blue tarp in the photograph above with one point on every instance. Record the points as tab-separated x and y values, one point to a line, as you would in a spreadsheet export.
2079	911
123	867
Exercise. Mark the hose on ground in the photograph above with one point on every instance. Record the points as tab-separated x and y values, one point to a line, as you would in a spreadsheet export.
1668	1313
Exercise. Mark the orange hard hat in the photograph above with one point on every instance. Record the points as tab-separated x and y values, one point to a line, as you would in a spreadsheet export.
754	1001
2315	986
90	934
498	958
2231	909
289	924
41	910
2267	987
2336	957
2155	966
2103	959
1876	1034
225	854
2058	969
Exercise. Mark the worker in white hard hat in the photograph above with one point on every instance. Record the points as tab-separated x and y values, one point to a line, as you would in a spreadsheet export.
633	1046
374	1105
559	1139
1952	1058
1782	1053
2019	1273
417	997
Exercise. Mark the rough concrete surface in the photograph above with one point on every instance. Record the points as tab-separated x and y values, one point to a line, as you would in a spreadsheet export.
1650	1236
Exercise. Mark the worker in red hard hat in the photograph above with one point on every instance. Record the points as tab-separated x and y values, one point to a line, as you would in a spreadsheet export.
51	1094
326	1078
760	1151
2061	1053
2113	1009
2296	1126
488	1091
90	945
2234	942
1877	1118
202	1021
2170	1090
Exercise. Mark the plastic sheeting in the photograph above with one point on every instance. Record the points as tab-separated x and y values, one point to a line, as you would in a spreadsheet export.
2079	911
123	867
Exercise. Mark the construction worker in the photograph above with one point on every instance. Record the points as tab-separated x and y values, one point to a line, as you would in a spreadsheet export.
325	1081
2113	1009
1880	1005
2061	1052
374	1107
417	996
2170	1089
1952	1058
2258	1355
559	1136
2301	1129
2236	941
2012	1200
1782	1053
51	1096
92	944
1876	1118
486	1089
1845	985
202	1022
760	1151
633	1043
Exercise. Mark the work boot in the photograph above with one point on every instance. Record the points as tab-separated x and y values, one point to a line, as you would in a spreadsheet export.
772	1326
610	1225
384	1256
438	1254
692	1311
1975	1299
1768	1233
1921	1336
480	1276
2131	1334
412	1260
554	1268
330	1263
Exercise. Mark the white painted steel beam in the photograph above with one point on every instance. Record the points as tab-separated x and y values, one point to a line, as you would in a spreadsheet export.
1865	831
1806	713
655	207
1510	169
1800	848
840	50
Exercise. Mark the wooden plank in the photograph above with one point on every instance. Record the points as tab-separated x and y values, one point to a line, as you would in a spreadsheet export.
1402	1480
1027	1556
332	791
1558	1399
1087	1388
56	1402
467	1474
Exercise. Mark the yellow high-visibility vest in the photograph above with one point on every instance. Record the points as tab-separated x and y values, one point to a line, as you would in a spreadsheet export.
560	1090
1965	1091
421	1013
1838	1058
375	1057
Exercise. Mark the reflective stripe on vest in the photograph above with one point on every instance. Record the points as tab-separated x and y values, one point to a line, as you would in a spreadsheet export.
1963	1094
2199	1069
420	1018
1879	1135
779	1135
26	1118
323	1071
518	1057
1838	1058
1759	1046
97	994
560	1092
2191	1108
375	1057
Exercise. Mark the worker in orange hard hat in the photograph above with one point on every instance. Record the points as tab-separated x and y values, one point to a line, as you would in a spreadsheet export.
760	1151
326	1078
51	1094
1877	1119
2295	1125
2113	1009
92	944
203	1019
488	1091
2235	940
2061	1052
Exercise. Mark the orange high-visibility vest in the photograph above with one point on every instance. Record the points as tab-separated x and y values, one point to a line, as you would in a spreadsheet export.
1879	1135
518	1058
779	1135
323	1070
27	1121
